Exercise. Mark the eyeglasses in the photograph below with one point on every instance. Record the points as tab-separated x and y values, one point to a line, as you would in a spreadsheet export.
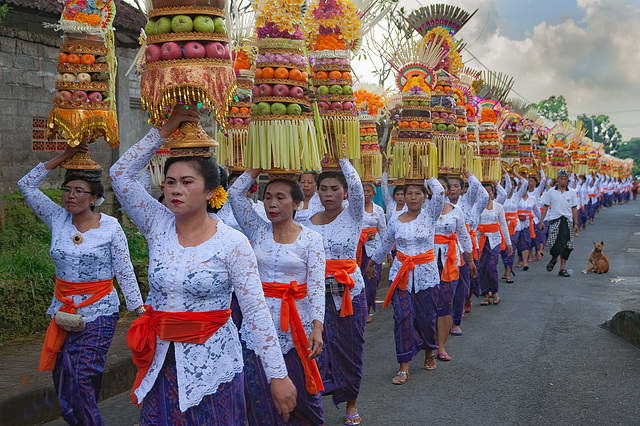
75	192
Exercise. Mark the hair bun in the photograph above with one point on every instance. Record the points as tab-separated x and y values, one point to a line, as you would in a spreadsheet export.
92	176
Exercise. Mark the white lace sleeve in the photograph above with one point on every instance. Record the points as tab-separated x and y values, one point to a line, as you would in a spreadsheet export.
243	270
540	188
141	207
356	192
315	276
380	219
249	220
124	269
436	203
536	211
41	205
480	205
501	196
508	184
388	241
503	222
471	196
389	203
464	239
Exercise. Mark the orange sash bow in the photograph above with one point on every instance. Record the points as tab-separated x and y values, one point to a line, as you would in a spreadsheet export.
55	335
340	269
364	237
409	263
512	221
532	231
487	229
185	327
450	270
289	316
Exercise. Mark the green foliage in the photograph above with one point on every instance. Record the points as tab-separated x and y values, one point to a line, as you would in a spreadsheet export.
631	149
4	11
553	108
601	130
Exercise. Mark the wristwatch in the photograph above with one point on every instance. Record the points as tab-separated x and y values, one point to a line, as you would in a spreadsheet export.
139	311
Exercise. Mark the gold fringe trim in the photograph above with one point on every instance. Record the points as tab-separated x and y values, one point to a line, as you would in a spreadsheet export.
77	126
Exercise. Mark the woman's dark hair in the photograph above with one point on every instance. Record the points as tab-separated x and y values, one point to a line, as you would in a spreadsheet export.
446	181
92	177
333	175
459	179
534	178
208	169
295	190
422	188
490	185
232	176
398	188
314	174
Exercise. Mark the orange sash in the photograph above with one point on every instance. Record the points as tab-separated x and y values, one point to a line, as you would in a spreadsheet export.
340	269
450	270
55	335
364	237
408	264
532	231
486	229
289	316
512	221
185	327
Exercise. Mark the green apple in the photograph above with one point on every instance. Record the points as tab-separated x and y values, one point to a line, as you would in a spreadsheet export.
150	28
254	110
451	127
163	26
413	103
347	90
203	24
424	103
219	25
336	89
442	127
323	90
278	108
264	108
182	24
294	109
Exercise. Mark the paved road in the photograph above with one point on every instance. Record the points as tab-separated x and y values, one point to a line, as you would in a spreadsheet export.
539	357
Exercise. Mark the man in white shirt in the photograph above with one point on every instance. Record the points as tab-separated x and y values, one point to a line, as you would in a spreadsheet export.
563	219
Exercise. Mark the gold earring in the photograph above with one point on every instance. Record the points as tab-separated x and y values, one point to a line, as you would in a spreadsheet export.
91	204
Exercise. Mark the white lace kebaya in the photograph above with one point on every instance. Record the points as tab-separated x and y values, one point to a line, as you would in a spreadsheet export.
375	219
495	215
414	238
302	261
196	279
340	237
446	225
102	254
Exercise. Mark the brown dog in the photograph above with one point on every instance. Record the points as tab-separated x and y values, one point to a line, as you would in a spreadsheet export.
598	259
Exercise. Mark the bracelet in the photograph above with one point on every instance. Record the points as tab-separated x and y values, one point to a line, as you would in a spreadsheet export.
139	311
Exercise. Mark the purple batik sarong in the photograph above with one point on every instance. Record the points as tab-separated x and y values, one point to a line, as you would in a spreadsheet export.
261	410
444	294
504	254
488	269
340	363
370	284
414	316
524	241
77	374
224	407
461	294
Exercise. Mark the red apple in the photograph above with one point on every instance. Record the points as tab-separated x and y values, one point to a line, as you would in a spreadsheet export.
256	91
95	97
247	121
80	95
323	106
280	90
227	52
214	50
194	50
171	50
347	105
336	106
296	92
265	90
153	53
64	95
238	121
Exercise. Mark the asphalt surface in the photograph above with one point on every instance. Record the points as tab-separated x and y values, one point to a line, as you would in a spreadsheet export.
539	357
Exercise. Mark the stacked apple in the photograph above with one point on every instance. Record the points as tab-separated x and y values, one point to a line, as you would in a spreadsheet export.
281	85
461	118
525	149
558	157
334	89
187	36
489	143
443	109
510	145
415	118
83	78
369	137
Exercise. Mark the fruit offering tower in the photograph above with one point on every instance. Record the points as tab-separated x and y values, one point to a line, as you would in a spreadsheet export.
187	61
445	126
489	145
370	103
282	136
465	116
510	126
84	107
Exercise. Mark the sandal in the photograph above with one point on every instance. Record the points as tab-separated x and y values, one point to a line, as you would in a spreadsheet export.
509	281
468	308
525	268
349	419
485	302
496	299
443	356
404	376
456	331
551	265
563	273
427	365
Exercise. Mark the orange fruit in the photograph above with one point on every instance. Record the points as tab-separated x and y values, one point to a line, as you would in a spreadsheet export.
414	124
244	110
429	125
322	75
305	77
258	72
424	125
447	88
73	59
334	75
346	76
62	59
439	88
404	124
268	72
295	75
281	73
87	59
234	110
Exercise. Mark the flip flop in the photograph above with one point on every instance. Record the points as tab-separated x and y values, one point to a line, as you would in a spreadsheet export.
468	308
349	419
443	356
485	302
509	281
403	380
456	332
496	300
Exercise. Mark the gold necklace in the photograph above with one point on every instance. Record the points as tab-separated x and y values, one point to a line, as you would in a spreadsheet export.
77	238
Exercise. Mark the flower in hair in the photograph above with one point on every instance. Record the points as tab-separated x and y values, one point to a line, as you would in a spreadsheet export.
219	198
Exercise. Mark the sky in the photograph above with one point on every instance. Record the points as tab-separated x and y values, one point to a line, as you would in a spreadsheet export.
585	50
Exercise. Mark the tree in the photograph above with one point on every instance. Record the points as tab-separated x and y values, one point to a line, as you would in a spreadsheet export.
601	130
553	108
631	149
